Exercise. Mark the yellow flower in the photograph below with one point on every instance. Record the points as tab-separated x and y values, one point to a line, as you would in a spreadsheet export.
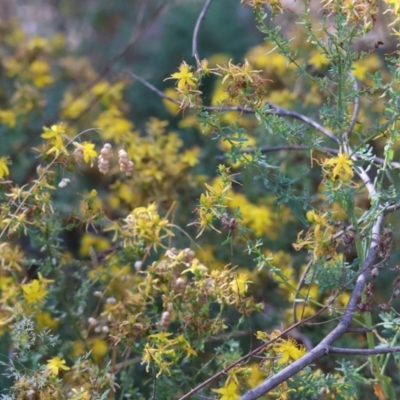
190	156
99	349
185	345
338	168
55	364
34	292
318	60
89	154
228	392
289	349
45	320
314	218
184	76
40	74
8	117
80	394
4	161
54	133
239	283
256	376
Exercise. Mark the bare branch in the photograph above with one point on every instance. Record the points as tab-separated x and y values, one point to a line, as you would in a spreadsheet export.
392	208
365	352
195	50
153	88
247	356
342	327
330	150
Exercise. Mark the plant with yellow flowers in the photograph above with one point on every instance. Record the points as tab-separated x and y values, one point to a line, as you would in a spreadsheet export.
231	252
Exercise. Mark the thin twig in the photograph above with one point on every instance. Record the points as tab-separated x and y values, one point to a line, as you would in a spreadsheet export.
356	108
195	50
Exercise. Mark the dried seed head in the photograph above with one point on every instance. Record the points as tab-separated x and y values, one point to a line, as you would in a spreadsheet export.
106	151
30	394
78	154
188	255
228	223
129	168
123	157
103	164
180	285
165	319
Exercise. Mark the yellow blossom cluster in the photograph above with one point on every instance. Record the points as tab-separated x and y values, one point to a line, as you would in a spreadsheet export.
143	226
360	12
319	238
338	169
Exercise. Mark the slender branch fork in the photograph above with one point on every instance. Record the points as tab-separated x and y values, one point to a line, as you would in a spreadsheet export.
344	325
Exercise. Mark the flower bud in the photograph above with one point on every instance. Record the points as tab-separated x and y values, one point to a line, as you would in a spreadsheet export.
78	154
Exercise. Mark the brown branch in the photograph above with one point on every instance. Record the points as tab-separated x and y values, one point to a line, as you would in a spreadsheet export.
195	50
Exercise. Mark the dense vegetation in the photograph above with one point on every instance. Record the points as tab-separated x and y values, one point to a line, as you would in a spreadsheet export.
201	203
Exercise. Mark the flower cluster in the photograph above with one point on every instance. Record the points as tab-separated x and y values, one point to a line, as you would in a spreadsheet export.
319	238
